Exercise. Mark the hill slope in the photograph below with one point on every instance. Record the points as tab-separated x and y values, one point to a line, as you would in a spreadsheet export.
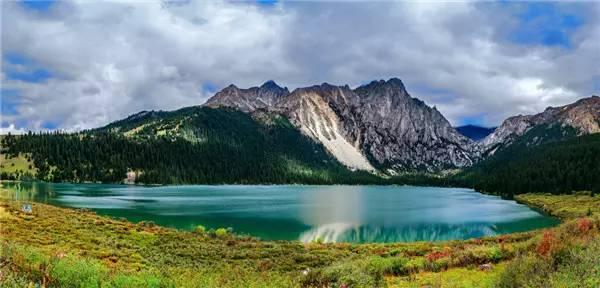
583	116
190	145
556	166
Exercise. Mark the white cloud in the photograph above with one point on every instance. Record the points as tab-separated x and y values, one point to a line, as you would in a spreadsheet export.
12	130
114	59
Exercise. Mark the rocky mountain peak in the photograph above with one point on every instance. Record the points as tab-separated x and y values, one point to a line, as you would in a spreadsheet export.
248	100
396	83
378	121
390	88
271	86
583	115
375	125
404	133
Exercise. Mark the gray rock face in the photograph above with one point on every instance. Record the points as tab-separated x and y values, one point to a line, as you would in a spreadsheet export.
248	100
583	115
326	114
403	133
375	126
393	130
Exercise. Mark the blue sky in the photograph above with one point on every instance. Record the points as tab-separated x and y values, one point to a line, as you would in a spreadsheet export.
70	65
545	23
20	67
40	5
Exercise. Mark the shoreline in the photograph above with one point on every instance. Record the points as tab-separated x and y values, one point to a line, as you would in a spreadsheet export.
187	229
207	259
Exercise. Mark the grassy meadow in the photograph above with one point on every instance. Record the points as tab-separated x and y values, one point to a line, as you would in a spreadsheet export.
16	167
59	247
579	204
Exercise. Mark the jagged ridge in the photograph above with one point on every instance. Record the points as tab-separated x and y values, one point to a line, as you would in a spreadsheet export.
248	100
583	115
375	125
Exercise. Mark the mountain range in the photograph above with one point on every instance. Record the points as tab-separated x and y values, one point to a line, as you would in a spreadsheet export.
379	126
579	118
321	134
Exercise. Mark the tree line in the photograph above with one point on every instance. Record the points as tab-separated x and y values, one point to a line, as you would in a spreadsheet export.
559	167
229	147
197	145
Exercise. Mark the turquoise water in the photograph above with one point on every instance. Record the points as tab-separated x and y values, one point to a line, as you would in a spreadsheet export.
306	213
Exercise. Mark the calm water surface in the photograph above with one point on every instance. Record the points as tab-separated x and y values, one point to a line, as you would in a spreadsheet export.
330	213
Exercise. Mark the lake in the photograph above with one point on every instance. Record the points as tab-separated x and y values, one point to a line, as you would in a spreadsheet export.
295	212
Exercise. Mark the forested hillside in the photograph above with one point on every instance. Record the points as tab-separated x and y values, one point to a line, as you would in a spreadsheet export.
203	145
539	162
191	145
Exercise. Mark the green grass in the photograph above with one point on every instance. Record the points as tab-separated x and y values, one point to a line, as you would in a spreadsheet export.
16	166
456	277
62	247
565	257
579	204
227	258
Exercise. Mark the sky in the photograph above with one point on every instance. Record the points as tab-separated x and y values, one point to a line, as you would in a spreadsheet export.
73	65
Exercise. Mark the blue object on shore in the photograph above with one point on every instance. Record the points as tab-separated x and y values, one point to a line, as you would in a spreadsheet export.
26	208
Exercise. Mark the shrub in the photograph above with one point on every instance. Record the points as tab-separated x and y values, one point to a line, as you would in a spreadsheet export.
544	246
221	232
560	261
415	265
435	255
31	261
11	279
360	273
525	271
389	265
584	225
72	272
134	281
582	268
495	254
200	229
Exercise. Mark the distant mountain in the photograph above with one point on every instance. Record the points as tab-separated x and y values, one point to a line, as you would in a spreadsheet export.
248	100
558	166
473	132
579	118
318	134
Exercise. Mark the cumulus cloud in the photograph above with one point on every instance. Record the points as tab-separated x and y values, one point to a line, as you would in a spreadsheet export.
12	130
108	60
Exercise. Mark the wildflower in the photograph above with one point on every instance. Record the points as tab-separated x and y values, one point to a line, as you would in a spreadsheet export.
584	225
545	245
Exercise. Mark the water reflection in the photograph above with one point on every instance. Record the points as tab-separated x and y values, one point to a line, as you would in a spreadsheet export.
328	205
26	191
341	232
306	213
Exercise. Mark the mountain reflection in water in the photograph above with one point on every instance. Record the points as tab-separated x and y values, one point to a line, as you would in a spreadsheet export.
344	232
